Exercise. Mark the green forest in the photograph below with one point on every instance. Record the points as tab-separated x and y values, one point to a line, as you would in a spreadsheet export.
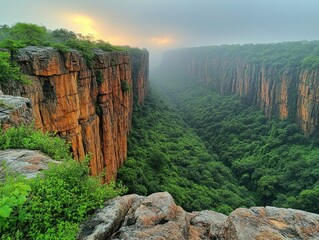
283	55
210	151
215	152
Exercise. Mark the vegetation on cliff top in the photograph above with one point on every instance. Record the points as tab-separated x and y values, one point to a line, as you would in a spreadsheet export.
52	205
27	34
285	55
20	35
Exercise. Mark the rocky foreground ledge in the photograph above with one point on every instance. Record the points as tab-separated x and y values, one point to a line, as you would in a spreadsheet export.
157	217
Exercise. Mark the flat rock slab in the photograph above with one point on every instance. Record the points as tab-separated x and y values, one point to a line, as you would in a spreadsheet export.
28	163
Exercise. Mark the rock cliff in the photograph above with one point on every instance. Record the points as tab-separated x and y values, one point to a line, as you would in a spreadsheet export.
140	72
158	217
286	92
90	106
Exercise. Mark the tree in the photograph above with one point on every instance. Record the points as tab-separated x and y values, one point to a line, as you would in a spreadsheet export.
9	71
29	34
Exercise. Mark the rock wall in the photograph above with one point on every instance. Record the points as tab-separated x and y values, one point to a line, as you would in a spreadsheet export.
285	92
87	106
158	217
140	72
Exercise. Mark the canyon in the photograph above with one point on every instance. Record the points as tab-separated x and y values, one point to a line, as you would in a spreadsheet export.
286	92
89	106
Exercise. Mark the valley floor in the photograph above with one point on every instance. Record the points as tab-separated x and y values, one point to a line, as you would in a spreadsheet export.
214	152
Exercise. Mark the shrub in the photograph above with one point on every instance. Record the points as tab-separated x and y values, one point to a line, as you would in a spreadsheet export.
13	193
59	200
29	138
30	34
99	77
10	71
125	86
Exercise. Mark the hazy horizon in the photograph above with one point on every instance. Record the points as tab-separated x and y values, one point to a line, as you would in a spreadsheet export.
164	25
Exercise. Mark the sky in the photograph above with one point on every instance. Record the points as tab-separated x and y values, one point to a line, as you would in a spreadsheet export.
160	25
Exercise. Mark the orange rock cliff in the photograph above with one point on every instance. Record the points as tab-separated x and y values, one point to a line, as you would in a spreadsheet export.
283	92
91	107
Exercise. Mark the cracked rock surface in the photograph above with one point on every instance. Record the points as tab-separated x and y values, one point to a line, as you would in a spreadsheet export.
157	217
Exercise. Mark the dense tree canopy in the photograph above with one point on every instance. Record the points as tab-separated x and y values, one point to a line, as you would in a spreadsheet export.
166	155
270	157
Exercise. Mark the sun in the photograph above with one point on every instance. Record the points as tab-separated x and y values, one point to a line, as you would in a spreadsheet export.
84	25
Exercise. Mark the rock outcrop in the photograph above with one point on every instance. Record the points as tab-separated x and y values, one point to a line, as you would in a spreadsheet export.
86	105
286	92
158	217
14	111
271	223
28	163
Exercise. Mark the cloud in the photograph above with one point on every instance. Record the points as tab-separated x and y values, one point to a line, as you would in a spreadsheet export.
166	24
161	41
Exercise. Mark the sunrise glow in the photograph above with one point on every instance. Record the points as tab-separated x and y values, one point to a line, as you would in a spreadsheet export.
161	41
85	25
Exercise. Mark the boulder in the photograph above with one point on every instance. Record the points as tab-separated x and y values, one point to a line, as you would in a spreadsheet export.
153	217
14	111
157	217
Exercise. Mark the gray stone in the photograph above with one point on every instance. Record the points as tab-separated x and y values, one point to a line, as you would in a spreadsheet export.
157	217
207	223
28	163
106	221
14	111
271	223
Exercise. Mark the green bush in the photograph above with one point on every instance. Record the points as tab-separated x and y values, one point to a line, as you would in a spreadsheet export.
13	193
29	34
59	200
125	86
29	138
10	71
99	77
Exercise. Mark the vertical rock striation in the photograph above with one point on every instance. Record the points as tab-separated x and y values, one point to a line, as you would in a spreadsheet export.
286	92
140	72
85	105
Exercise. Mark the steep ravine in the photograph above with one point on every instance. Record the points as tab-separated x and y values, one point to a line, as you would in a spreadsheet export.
88	106
287	92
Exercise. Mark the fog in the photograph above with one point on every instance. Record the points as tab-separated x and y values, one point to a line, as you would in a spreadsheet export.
166	24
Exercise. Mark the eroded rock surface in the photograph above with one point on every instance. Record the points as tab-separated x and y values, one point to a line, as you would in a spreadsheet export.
265	223
157	217
28	163
14	111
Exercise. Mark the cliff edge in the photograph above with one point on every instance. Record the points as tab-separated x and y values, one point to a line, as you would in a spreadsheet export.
158	217
89	106
271	76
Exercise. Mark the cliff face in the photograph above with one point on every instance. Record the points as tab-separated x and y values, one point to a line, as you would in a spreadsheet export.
140	72
285	92
87	106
